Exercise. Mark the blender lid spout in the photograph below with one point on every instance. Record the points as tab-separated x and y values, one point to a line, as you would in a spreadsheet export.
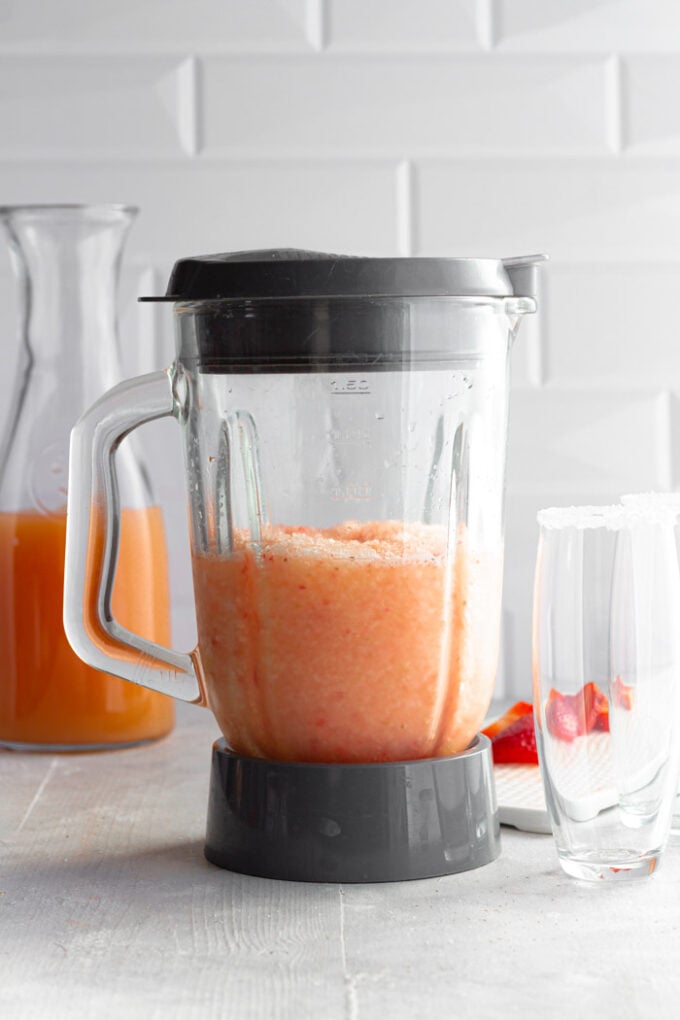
522	273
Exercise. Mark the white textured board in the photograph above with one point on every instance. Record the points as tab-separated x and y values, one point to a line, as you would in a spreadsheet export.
520	797
581	774
593	771
587	774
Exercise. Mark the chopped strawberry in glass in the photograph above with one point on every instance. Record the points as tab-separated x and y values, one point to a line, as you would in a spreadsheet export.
622	694
568	716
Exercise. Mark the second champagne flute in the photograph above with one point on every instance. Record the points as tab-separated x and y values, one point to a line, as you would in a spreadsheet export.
607	685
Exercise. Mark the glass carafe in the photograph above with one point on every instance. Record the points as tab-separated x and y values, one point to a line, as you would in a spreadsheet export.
344	428
67	260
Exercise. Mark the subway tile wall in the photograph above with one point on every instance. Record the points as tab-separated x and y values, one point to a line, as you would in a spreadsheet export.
436	127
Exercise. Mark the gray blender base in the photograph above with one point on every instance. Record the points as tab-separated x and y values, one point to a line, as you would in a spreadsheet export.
381	822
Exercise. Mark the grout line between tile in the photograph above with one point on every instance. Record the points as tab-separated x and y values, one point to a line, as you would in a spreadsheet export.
188	105
614	104
486	16
404	190
161	352
229	155
664	443
537	351
317	24
148	325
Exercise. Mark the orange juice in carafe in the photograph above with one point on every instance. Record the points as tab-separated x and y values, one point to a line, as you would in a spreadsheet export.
67	260
48	696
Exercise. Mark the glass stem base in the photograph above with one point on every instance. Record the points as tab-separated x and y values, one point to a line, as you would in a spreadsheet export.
610	865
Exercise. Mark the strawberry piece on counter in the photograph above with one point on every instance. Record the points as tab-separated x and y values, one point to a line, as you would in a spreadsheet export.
516	711
516	744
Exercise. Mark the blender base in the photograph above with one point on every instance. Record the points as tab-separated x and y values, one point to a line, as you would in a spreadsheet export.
382	822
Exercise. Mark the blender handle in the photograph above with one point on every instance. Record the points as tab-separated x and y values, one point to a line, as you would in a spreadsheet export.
92	540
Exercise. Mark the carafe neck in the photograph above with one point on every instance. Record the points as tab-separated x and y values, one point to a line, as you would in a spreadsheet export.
67	261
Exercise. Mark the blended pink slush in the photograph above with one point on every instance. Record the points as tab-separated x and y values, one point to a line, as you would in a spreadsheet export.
359	643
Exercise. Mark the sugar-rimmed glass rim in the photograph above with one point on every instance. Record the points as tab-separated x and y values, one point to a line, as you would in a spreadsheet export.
614	517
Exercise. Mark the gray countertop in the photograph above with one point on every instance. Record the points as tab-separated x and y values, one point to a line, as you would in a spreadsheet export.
108	909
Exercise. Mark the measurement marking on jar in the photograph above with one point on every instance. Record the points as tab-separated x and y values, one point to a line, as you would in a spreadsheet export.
354	387
355	436
354	491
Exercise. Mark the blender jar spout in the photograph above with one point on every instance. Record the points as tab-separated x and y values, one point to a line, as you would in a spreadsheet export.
523	276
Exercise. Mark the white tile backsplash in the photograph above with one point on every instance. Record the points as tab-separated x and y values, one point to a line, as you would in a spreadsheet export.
607	324
609	209
207	206
113	107
154	26
586	26
444	127
600	441
403	105
441	25
651	84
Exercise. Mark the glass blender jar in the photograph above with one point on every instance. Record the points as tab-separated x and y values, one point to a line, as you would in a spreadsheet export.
344	426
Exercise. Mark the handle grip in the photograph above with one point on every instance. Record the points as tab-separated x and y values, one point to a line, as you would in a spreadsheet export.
92	541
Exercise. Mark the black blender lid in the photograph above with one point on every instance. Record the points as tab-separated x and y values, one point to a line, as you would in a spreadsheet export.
293	273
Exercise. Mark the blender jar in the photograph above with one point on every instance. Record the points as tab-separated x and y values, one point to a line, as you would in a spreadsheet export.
344	424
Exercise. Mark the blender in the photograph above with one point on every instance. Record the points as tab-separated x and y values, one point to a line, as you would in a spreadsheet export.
344	423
